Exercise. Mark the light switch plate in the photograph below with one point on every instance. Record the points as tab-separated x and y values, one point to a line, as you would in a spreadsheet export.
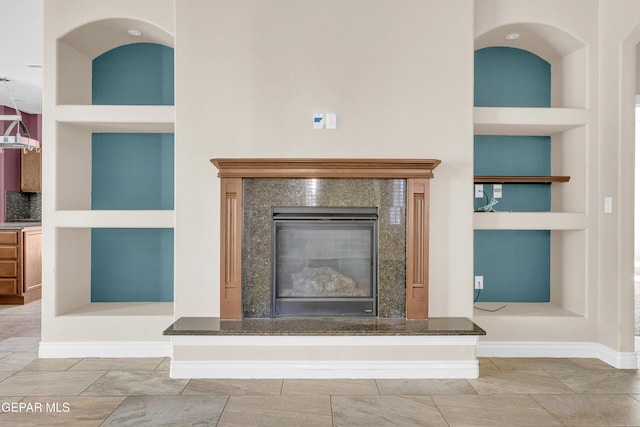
331	120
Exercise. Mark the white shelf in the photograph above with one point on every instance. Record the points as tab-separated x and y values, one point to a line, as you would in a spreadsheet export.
527	121
135	309
119	118
114	219
529	221
524	309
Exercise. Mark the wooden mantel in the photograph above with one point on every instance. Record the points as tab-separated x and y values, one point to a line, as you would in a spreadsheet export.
417	172
325	168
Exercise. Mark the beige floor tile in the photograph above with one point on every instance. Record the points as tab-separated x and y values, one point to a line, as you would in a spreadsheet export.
383	411
601	410
20	344
63	411
533	363
4	375
486	363
425	386
120	364
50	364
36	383
17	361
231	387
22	319
588	363
277	411
496	381
613	381
165	365
118	383
34	308
168	411
494	411
331	387
20	330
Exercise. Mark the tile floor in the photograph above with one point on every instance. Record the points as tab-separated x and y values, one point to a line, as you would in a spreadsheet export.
139	392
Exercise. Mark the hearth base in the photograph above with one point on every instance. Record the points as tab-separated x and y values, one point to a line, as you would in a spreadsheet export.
324	348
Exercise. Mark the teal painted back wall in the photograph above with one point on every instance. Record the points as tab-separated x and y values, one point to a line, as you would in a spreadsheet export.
131	265
134	74
508	77
132	171
515	263
519	156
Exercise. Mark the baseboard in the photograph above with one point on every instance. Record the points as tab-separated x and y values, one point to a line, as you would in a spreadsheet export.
107	349
325	369
617	359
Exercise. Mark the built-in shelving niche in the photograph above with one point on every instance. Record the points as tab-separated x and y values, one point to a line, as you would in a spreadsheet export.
114	165
543	203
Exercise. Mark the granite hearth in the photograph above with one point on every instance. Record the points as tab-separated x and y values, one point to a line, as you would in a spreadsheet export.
213	326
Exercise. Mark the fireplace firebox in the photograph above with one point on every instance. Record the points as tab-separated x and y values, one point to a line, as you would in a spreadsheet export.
324	261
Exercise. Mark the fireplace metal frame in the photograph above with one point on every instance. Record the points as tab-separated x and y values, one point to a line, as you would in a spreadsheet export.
325	306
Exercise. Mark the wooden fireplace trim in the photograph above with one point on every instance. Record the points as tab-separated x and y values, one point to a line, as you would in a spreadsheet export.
417	172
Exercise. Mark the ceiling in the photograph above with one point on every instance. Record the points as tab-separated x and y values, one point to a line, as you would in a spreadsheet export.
21	54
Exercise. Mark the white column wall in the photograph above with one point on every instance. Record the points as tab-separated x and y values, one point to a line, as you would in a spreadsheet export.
249	76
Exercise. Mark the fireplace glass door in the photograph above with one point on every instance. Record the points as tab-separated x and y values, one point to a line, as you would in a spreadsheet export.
324	261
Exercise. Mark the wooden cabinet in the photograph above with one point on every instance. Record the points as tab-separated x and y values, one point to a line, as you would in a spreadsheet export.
32	260
31	171
20	265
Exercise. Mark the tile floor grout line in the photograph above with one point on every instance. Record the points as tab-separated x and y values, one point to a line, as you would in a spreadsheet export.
439	410
114	411
223	409
87	387
333	423
545	409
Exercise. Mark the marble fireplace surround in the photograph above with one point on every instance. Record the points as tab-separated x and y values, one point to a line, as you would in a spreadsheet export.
416	173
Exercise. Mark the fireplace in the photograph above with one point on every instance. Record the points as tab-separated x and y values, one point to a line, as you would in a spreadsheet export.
402	286
324	261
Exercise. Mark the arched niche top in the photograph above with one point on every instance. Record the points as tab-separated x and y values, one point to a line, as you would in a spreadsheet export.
547	42
95	38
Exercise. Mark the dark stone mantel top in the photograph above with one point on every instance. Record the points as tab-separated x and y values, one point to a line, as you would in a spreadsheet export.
324	327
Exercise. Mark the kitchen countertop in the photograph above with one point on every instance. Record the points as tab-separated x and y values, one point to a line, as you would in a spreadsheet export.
18	225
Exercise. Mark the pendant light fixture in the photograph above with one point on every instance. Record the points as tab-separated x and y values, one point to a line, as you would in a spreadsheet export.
16	135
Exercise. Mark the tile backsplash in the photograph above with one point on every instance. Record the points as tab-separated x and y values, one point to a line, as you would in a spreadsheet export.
23	206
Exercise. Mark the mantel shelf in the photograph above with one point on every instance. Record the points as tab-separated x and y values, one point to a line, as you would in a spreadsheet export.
325	168
519	179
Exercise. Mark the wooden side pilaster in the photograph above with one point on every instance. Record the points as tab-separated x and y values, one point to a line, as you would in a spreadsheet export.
417	248
231	248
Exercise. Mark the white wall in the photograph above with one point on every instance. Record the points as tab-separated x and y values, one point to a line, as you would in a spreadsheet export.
249	76
636	193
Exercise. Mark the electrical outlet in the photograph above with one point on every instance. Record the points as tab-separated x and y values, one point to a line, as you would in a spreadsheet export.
497	191
478	283
479	191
